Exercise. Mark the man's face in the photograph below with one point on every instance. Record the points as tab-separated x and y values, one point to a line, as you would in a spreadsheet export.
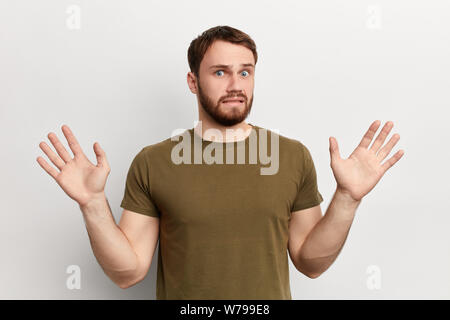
218	83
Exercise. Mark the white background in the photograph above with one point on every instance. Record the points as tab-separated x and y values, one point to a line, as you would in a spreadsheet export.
325	68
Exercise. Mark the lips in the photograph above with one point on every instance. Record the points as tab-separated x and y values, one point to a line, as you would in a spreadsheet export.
234	100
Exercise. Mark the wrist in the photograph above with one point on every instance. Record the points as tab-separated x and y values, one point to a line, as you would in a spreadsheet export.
346	198
94	202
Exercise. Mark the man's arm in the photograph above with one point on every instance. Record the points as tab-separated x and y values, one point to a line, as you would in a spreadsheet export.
124	252
326	239
355	176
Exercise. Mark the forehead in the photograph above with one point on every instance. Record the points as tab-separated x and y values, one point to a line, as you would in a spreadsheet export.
223	52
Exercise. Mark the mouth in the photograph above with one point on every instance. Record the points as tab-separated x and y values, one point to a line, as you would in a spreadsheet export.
233	102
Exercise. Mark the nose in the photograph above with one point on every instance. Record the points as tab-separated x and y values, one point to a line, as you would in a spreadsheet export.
234	85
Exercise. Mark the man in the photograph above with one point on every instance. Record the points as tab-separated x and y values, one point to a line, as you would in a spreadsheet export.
225	229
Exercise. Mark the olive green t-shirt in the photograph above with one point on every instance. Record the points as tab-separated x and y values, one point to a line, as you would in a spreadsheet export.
223	226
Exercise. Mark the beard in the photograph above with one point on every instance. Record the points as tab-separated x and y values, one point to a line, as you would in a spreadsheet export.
223	114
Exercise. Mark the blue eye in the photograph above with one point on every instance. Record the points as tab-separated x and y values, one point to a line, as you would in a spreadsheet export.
242	71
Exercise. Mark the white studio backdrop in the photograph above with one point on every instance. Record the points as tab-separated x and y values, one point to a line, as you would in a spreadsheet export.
115	72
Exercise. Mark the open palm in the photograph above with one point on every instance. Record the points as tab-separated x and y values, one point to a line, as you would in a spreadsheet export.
361	171
80	179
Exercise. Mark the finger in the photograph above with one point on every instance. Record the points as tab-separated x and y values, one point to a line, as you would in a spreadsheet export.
48	168
334	148
382	136
57	161
388	147
73	142
389	163
367	139
59	147
101	156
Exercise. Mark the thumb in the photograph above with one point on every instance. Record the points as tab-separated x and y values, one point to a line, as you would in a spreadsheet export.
334	148
101	156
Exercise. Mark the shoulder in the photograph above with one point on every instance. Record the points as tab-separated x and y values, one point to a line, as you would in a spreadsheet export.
292	152
286	143
161	149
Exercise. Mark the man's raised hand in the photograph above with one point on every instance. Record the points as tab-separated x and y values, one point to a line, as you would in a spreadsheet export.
361	171
80	179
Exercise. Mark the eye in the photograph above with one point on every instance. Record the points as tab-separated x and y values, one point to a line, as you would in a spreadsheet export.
245	71
219	71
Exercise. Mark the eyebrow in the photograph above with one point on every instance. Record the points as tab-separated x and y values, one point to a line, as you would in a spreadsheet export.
225	66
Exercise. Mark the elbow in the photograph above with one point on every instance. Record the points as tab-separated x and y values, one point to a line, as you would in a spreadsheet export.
308	274
126	281
313	275
126	285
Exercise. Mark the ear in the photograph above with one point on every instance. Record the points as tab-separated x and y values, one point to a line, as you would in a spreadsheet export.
192	82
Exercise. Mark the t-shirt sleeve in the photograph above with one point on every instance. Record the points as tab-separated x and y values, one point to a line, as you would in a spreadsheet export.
308	194
137	197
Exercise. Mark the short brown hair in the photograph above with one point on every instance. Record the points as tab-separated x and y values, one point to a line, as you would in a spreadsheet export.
199	45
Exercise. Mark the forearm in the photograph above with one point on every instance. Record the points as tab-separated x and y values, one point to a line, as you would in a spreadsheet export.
110	246
326	239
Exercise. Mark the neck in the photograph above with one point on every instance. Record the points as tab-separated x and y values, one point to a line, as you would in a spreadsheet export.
236	132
